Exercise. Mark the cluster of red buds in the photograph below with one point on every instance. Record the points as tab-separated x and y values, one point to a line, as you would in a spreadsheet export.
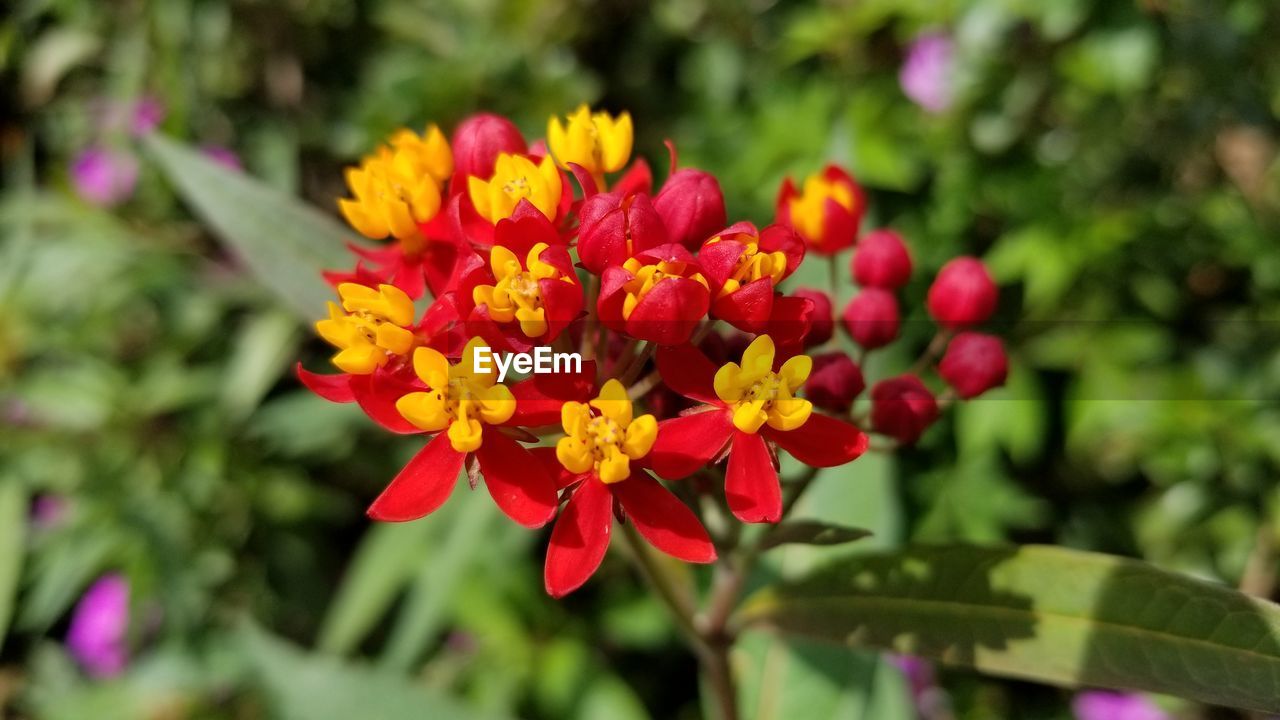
688	351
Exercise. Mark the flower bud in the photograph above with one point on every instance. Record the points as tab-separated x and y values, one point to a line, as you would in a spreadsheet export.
826	210
872	318
881	260
963	294
615	228
692	207
834	382
974	363
479	140
902	408
821	317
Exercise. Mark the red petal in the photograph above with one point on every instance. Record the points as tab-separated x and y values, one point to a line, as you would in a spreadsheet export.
546	457
519	484
580	538
585	181
334	388
422	486
781	237
751	485
821	442
637	179
718	260
668	314
689	443
563	302
377	395
749	307
540	397
688	372
407	275
663	520
612	297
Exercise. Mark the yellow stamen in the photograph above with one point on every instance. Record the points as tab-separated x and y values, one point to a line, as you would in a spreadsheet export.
757	395
517	296
459	400
370	328
516	178
607	440
808	210
648	276
752	264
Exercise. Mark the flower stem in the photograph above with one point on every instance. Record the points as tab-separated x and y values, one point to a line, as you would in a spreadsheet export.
936	346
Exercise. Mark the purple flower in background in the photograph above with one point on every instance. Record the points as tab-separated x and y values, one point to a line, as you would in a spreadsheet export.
48	510
927	75
931	701
225	157
104	177
99	627
1102	705
147	114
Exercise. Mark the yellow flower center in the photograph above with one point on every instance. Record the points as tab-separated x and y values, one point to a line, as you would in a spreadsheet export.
605	441
517	296
458	398
808	210
752	265
598	142
758	395
647	276
516	178
370	328
398	186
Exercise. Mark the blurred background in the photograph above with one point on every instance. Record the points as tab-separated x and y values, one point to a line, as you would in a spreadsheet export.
165	482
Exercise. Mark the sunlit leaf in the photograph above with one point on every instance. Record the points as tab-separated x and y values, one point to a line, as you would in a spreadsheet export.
1043	613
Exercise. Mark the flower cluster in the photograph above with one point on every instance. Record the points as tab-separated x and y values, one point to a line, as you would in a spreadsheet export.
691	351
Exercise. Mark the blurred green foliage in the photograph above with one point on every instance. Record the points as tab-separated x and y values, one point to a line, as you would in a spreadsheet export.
1114	162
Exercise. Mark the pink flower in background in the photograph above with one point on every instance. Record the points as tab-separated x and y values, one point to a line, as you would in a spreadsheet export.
147	114
931	701
225	157
927	75
99	626
1103	705
48	511
104	177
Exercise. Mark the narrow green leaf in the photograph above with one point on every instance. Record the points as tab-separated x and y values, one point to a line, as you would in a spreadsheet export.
812	532
388	558
13	533
265	347
299	686
285	242
1047	614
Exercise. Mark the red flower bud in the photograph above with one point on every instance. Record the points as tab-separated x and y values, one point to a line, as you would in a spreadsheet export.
826	210
615	228
479	139
974	363
963	294
660	295
872	318
821	318
834	382
881	260
902	408
691	206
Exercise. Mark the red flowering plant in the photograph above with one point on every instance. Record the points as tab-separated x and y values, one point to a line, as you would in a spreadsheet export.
564	246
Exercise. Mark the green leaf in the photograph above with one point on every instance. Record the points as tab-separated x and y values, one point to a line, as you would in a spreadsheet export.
285	242
1047	614
13	532
303	687
388	558
264	347
812	532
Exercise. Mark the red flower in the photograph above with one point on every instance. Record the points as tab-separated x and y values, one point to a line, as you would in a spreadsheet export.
871	318
691	206
614	228
477	142
821	318
659	295
826	212
902	408
744	266
747	407
600	462
963	294
835	382
464	408
882	261
530	293
974	363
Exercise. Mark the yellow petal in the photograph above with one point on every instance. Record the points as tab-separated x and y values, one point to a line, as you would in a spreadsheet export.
431	367
360	359
749	416
795	371
613	402
615	467
573	454
426	410
789	414
497	404
465	435
641	434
